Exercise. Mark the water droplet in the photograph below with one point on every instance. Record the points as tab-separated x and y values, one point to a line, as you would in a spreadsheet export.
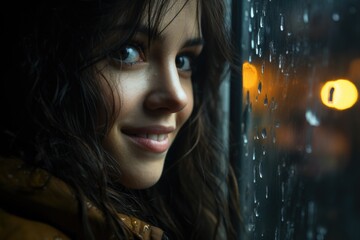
306	16
308	149
250	27
261	21
279	170
256	210
282	214
266	192
260	87
250	227
264	151
266	101
281	61
256	136
252	44
264	133
252	14
245	139
282	192
335	17
273	104
281	22
312	118
254	175
260	170
259	37
254	155
321	232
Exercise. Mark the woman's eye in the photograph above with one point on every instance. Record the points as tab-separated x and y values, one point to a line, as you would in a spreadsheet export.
184	63
129	55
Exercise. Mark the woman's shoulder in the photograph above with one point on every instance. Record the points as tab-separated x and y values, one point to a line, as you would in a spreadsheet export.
36	205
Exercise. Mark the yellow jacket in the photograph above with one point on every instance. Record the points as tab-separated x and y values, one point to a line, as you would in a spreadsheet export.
37	206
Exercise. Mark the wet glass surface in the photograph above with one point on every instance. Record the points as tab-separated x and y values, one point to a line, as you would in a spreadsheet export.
300	149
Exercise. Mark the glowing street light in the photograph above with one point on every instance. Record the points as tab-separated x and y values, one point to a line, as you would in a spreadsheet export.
339	94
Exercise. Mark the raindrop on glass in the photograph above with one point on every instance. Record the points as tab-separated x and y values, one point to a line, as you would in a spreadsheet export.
273	104
311	118
279	170
281	22
260	34
261	21
260	170
260	87
264	133
335	17
245	139
321	232
282	214
256	210
250	27
250	227
306	16
266	100
254	175
267	192
281	61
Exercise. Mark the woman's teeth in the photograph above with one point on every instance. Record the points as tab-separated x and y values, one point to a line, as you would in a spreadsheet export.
155	137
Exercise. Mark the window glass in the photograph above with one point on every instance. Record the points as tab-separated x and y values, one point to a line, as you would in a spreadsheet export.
300	154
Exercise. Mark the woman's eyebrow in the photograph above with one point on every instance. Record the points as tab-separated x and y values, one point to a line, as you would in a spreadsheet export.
156	35
194	42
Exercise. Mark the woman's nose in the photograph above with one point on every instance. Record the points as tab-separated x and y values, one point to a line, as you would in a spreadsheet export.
168	92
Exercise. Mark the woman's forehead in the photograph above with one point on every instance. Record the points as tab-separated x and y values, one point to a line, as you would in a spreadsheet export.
172	13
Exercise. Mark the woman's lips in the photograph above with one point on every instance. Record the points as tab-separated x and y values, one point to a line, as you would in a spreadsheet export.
152	139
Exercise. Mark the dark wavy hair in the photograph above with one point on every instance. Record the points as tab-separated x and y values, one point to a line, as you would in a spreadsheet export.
50	95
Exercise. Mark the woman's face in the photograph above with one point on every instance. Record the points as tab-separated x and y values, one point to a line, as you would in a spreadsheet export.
153	93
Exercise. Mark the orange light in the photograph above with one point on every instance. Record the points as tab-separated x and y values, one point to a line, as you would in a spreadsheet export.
250	75
339	94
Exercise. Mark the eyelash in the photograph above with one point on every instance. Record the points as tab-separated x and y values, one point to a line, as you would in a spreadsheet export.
117	58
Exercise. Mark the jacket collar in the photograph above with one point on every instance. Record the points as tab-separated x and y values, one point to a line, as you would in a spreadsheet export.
35	193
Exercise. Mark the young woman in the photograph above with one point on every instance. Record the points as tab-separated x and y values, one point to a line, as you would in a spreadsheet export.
111	111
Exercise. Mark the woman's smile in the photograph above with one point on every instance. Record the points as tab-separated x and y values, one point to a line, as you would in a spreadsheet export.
153	139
